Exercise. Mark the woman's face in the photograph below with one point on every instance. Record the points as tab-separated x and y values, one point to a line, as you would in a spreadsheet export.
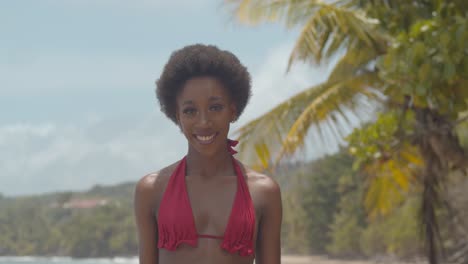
204	112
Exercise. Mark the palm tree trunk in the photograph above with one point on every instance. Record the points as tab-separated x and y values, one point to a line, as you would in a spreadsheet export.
430	203
441	152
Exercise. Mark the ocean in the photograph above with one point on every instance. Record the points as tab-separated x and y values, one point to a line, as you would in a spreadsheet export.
66	260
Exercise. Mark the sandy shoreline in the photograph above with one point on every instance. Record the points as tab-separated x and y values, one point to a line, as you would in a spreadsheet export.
295	259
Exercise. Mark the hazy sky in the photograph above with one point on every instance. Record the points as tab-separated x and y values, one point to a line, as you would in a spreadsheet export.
77	102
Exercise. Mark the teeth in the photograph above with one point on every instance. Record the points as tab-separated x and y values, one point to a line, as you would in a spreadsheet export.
205	138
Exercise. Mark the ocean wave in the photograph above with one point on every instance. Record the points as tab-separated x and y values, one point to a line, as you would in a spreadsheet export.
18	259
66	260
125	260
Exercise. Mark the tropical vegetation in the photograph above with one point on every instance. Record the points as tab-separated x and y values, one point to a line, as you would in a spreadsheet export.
43	225
404	60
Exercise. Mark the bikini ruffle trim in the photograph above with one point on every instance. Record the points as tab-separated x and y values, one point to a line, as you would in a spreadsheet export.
244	248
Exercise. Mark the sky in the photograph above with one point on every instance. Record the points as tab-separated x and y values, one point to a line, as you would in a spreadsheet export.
77	101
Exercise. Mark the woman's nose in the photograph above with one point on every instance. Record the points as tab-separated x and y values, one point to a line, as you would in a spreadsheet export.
204	118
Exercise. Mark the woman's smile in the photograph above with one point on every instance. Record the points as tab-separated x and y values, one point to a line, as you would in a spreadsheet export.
206	139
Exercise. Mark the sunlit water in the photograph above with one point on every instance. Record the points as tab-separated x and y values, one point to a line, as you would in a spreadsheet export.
65	260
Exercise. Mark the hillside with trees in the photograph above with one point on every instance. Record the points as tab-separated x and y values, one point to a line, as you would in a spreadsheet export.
96	223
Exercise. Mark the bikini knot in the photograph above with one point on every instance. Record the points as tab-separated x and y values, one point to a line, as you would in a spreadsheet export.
231	144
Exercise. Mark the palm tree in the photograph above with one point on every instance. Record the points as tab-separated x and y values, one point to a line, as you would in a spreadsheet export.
356	85
327	30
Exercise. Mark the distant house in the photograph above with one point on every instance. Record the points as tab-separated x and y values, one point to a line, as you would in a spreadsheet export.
84	203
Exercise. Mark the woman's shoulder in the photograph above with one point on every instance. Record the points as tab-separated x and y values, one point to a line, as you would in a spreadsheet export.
155	182
262	181
265	192
262	184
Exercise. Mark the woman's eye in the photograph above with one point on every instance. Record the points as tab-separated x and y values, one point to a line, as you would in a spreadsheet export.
189	111
216	107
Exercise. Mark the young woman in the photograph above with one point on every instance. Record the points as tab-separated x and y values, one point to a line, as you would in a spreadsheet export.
207	207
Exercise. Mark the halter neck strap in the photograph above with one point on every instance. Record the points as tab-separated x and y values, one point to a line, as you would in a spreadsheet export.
231	145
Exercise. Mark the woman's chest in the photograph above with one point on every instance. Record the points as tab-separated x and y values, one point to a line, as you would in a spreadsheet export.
212	203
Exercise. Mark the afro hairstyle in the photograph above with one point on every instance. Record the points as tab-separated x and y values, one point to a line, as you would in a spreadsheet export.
202	60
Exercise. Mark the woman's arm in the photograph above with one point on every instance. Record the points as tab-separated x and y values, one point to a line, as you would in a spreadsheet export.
269	230
145	220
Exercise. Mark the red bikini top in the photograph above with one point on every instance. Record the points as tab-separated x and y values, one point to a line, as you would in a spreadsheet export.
176	224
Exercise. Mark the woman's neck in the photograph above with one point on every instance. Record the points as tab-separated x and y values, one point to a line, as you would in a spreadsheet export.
208	167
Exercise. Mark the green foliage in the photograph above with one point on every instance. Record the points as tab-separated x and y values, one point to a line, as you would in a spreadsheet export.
39	225
295	221
324	214
375	141
390	164
320	197
310	202
462	131
349	220
346	234
397	234
429	61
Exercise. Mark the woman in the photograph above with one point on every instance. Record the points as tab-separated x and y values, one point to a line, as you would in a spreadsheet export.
207	207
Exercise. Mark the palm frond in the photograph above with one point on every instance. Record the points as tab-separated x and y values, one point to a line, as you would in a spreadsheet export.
253	12
326	27
341	95
389	180
355	60
332	28
325	107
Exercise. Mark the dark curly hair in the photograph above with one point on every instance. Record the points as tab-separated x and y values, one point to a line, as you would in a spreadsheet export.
202	60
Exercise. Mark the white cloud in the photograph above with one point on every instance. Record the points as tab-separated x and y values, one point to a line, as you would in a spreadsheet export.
37	158
22	129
